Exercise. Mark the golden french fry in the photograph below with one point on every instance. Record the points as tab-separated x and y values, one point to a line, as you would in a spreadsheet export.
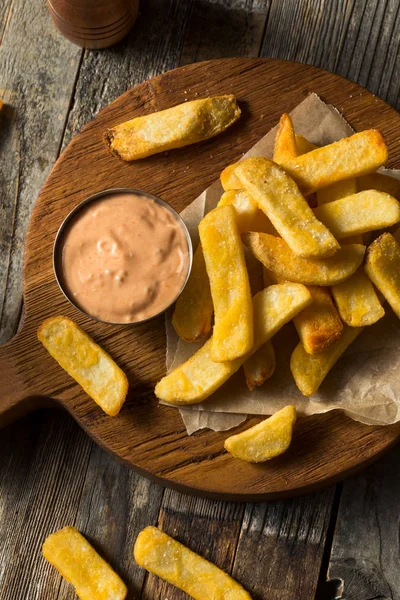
279	197
378	181
357	301
318	325
160	554
72	555
200	376
359	213
260	366
285	142
229	282
382	266
277	257
340	189
86	362
229	181
194	308
357	155
303	145
309	370
245	207
265	440
174	127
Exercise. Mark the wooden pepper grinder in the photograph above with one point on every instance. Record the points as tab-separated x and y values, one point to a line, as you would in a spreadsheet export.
94	23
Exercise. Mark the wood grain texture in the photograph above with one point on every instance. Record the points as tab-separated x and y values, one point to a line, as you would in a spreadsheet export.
280	548
30	135
136	433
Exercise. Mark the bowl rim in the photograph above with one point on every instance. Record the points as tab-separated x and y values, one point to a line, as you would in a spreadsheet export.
57	252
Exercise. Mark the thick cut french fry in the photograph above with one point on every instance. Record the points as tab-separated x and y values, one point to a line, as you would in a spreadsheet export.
200	376
382	266
277	257
378	181
229	282
194	308
160	554
318	325
303	145
229	180
357	155
279	197
260	366
357	301
338	190
72	555
245	207
265	440
174	127
86	362
309	370
359	213
285	142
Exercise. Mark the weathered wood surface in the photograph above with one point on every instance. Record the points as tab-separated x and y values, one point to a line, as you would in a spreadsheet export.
298	31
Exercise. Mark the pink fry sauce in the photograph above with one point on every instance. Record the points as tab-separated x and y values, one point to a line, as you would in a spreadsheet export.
124	258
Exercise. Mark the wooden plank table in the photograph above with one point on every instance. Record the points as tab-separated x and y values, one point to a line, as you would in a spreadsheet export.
342	542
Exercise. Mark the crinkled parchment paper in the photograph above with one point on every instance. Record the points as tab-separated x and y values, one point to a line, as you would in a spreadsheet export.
365	382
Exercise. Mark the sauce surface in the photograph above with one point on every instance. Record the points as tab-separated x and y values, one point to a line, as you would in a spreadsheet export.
124	258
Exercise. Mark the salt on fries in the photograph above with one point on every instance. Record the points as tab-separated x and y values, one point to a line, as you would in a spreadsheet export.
357	155
309	370
357	301
382	266
200	376
86	362
174	127
359	213
260	366
194	309
229	283
279	197
265	440
160	554
277	257
72	555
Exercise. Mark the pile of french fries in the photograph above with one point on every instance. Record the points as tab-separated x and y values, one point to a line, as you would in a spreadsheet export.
321	222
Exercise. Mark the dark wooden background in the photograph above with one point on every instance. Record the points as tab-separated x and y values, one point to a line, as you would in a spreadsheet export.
340	543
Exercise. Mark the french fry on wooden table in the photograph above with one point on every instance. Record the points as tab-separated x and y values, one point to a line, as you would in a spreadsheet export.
266	440
72	555
163	556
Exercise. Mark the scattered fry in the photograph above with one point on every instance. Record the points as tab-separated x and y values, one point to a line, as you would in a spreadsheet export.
245	207
277	257
279	197
337	190
174	127
200	376
359	213
265	440
86	362
229	282
285	141
260	366
194	308
160	554
72	555
357	155
229	180
309	370
318	325
357	301
382	266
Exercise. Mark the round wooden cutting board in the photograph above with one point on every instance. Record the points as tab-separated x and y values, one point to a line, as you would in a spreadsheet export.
148	437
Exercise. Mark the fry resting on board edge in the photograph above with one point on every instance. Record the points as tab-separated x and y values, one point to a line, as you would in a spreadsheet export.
174	127
160	554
